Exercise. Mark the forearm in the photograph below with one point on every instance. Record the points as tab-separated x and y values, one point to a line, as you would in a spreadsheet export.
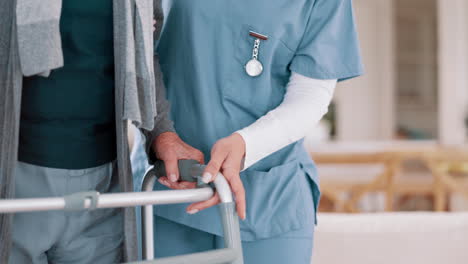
305	103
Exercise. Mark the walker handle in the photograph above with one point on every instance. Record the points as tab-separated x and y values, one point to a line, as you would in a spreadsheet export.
189	170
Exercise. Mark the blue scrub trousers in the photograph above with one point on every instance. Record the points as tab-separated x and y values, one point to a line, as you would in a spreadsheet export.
173	239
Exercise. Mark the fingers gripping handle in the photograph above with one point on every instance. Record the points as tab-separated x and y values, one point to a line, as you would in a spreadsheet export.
188	170
191	171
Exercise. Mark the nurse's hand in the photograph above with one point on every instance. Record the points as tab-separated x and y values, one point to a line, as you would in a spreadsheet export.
226	157
170	148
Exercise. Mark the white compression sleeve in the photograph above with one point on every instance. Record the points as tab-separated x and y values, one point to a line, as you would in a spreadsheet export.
305	103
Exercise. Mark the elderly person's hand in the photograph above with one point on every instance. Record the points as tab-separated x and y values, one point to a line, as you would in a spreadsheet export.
170	149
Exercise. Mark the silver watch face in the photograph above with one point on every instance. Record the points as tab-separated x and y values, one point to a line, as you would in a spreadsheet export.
254	68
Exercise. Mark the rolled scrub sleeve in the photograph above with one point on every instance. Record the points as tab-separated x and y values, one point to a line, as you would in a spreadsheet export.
162	122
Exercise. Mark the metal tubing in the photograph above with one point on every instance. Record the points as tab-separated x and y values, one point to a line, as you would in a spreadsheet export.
232	237
31	205
113	200
147	218
223	189
154	197
228	216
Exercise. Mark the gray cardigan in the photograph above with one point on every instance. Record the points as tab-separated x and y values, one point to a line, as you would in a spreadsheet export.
30	44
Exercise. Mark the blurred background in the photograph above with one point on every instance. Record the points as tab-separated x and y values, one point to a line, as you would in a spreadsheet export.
407	114
392	152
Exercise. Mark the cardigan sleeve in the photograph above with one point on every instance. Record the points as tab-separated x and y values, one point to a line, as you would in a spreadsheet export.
163	123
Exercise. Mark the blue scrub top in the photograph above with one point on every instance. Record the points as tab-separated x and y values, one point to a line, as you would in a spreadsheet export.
203	49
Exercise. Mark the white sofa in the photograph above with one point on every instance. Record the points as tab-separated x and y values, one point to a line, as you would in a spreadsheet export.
393	238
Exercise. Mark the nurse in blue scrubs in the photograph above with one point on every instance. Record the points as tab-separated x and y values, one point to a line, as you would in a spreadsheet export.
227	64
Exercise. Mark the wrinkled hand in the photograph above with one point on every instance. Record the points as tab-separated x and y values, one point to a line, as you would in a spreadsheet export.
226	157
170	149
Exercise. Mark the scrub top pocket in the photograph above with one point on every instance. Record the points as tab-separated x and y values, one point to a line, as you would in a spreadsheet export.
275	203
257	95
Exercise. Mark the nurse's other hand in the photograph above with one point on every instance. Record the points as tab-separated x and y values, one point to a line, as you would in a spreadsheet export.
170	148
226	157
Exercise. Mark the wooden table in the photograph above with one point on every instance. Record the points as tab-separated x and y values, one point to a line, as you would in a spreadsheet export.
392	154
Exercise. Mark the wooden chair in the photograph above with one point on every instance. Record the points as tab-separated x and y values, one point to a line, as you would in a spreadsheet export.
450	169
346	180
392	180
339	183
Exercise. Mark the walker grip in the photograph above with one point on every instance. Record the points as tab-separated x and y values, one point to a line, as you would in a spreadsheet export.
189	170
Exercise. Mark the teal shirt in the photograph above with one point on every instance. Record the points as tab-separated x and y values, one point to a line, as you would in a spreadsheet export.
68	119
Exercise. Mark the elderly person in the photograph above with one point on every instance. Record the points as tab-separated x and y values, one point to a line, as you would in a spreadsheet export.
72	73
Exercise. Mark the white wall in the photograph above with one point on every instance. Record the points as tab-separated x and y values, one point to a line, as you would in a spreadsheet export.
365	105
416	67
453	70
